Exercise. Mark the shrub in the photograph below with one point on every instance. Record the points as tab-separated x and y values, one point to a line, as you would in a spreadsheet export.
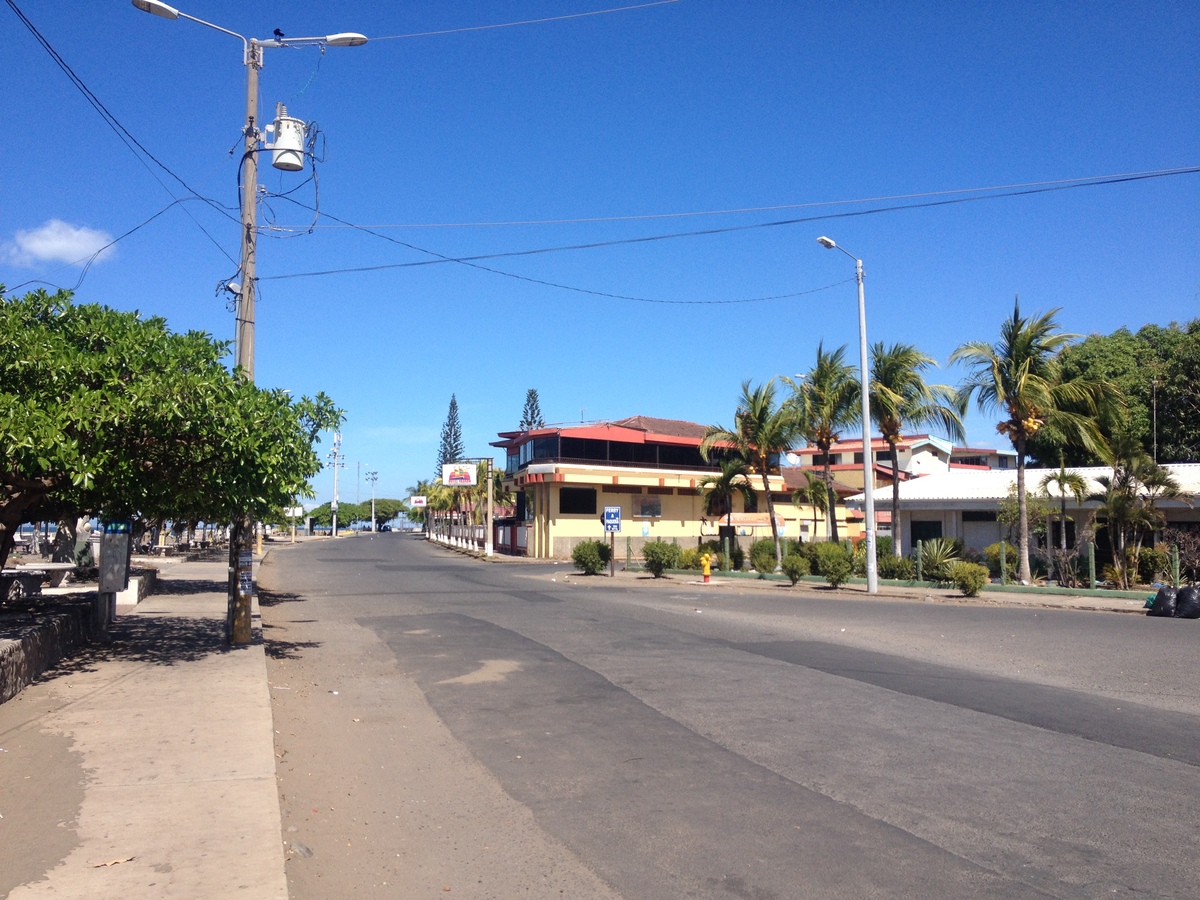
1152	564
833	562
900	568
969	577
762	556
590	557
659	555
992	554
795	566
689	558
937	556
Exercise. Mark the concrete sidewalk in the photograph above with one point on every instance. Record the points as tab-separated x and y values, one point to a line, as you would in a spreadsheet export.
172	734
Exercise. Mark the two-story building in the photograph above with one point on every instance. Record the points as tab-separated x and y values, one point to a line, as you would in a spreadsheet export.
564	476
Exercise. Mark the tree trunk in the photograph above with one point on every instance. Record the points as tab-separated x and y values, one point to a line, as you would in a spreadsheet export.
771	511
1025	576
895	499
830	501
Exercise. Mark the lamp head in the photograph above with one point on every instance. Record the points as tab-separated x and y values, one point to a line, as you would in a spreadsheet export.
346	39
156	8
827	243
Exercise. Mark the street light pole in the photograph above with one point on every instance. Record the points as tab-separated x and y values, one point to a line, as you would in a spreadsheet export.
373	477
241	571
864	379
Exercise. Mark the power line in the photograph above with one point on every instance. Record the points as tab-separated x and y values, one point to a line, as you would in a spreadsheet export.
583	15
120	130
588	220
713	231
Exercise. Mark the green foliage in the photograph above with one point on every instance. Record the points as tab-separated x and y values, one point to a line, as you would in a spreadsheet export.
1151	563
531	415
899	568
937	556
992	553
833	563
968	577
659	556
762	556
591	557
450	448
689	558
796	566
107	411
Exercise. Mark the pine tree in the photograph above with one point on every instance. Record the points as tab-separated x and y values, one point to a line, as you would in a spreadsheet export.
451	448
531	416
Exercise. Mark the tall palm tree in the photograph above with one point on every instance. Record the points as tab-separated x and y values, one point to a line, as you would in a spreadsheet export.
827	400
719	489
900	396
813	494
762	430
1019	376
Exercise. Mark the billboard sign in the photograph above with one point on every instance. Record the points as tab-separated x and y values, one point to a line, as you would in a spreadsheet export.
418	501
459	474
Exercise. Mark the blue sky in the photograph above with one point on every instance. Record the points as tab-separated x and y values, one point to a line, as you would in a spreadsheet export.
685	107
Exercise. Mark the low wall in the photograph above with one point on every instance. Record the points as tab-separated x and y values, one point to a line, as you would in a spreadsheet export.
37	640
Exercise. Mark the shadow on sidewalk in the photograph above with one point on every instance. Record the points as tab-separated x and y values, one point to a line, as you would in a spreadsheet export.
183	587
160	640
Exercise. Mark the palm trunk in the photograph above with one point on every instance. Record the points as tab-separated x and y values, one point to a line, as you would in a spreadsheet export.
830	503
895	499
771	510
1025	576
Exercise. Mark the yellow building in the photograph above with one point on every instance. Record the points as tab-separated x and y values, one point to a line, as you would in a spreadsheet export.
651	469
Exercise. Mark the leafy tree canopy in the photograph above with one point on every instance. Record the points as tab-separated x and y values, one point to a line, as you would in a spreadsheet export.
107	411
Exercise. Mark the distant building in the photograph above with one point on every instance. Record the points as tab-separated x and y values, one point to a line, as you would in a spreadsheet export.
564	476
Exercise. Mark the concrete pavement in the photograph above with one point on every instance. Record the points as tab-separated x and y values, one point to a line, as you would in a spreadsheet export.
167	735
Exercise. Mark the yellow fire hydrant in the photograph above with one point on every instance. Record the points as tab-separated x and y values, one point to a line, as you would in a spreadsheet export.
706	565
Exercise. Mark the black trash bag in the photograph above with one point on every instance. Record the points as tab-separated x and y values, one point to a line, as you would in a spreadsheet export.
1187	603
1164	603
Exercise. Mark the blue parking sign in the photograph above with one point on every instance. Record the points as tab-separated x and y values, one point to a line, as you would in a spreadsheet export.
612	519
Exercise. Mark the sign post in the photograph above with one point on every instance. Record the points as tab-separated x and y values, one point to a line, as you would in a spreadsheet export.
612	525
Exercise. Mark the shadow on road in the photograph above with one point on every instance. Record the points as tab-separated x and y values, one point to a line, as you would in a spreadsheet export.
275	598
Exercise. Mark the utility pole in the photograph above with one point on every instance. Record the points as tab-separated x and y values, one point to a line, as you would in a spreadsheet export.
337	463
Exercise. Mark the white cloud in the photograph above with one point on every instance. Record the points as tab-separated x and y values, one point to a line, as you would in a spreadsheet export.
56	241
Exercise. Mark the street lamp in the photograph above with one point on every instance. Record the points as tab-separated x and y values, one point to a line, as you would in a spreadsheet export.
373	477
252	58
864	378
241	552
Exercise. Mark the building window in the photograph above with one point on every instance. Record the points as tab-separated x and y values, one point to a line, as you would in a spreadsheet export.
647	507
751	502
925	531
972	460
574	501
978	515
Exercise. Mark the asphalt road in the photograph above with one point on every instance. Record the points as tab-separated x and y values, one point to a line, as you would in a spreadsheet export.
448	726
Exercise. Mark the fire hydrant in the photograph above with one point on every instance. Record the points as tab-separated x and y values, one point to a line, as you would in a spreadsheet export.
706	565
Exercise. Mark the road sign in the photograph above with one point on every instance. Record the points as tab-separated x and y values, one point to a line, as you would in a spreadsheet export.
612	519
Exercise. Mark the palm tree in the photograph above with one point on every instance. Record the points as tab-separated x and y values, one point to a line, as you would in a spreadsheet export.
899	396
1066	483
1128	500
762	430
1019	376
720	489
812	493
827	400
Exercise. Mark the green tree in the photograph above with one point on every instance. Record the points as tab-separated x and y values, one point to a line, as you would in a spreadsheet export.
826	401
1019	376
451	447
719	489
762	431
812	493
106	411
531	415
1128	502
900	396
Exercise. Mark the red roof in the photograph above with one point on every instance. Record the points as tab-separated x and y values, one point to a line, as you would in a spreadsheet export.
630	430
